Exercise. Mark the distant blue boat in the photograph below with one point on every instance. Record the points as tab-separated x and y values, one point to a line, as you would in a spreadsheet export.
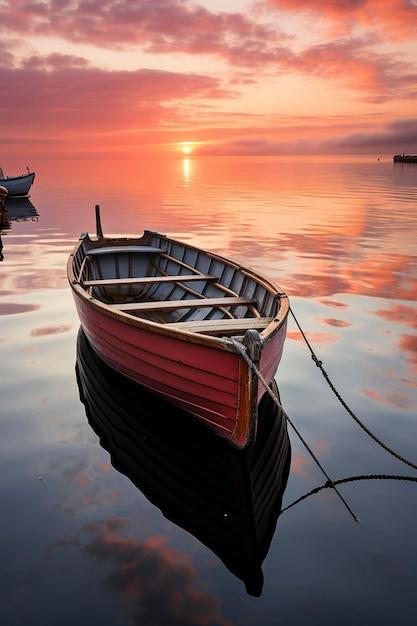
17	185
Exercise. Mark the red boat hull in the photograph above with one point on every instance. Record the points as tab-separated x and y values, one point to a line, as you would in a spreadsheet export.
209	381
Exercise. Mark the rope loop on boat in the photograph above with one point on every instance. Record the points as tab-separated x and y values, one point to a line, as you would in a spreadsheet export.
345	406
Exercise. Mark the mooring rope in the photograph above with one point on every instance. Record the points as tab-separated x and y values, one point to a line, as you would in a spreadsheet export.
319	364
239	347
348	480
242	350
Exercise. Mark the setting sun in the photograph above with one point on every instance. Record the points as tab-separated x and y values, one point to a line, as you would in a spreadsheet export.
186	149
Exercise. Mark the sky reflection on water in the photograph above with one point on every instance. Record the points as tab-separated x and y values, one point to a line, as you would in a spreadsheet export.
340	237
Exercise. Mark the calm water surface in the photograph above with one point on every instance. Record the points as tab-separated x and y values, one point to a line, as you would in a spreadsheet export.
80	543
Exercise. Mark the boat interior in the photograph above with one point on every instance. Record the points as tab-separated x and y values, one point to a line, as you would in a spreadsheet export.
175	284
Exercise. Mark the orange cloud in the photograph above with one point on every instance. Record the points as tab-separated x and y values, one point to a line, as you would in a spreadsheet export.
401	313
407	316
334	322
313	337
152	579
390	399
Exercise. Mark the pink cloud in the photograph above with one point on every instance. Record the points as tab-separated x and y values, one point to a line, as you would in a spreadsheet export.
163	27
172	27
12	308
395	19
58	100
50	330
376	77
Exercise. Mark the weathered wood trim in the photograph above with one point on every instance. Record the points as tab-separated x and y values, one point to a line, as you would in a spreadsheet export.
226	326
185	304
124	249
150	280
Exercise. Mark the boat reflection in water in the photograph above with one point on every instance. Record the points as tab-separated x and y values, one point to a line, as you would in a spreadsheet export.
4	221
4	226
21	209
15	210
229	500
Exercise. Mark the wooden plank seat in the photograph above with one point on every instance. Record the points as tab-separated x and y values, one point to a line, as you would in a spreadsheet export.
108	282
120	249
227	326
158	305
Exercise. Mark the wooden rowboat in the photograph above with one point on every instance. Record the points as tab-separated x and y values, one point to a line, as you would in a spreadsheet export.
17	185
230	500
200	330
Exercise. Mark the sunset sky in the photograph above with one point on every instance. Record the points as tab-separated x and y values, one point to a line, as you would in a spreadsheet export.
116	78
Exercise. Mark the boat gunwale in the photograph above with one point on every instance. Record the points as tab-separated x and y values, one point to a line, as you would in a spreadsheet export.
18	177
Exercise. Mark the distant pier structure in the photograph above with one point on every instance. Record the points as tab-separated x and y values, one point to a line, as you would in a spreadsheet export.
405	158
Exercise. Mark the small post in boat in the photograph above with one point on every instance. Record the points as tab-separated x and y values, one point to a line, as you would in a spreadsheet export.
98	223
